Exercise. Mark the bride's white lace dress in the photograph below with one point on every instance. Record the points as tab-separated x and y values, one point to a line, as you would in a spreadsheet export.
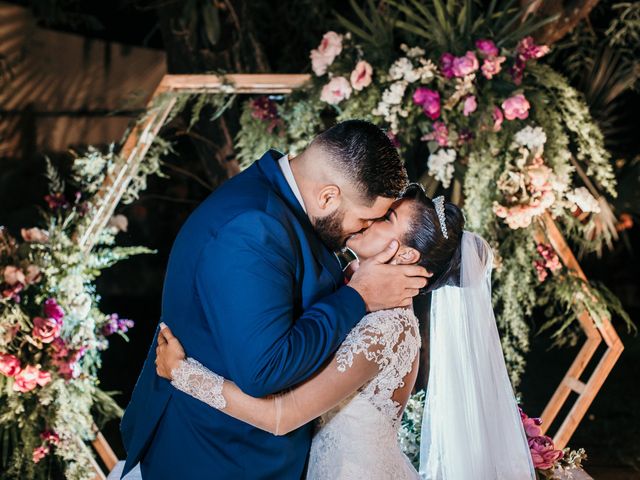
358	439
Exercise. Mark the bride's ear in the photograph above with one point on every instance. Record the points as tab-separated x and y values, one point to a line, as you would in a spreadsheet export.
406	256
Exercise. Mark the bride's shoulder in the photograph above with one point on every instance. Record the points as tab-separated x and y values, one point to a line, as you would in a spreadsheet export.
389	320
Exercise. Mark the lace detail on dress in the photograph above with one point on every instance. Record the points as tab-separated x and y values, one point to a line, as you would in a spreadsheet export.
391	339
196	380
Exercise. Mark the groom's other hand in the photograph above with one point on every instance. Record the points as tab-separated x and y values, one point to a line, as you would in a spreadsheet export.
383	286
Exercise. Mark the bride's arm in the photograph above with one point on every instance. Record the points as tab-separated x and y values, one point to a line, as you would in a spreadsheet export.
279	414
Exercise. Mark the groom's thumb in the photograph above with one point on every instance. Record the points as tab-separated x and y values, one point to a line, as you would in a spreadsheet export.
388	253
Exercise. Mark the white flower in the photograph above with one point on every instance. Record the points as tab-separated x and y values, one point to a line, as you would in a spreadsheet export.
427	70
403	69
531	138
441	165
394	93
584	200
72	285
81	306
119	223
413	52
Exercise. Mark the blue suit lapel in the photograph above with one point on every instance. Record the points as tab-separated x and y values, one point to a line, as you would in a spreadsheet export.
268	164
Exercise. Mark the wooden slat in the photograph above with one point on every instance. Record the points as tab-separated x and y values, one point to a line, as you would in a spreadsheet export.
242	83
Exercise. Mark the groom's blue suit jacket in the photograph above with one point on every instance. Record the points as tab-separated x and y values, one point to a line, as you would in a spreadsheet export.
253	294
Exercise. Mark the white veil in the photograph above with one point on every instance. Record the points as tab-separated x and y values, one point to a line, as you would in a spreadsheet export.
471	427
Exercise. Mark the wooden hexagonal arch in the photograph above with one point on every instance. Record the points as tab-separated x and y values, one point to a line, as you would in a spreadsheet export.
140	138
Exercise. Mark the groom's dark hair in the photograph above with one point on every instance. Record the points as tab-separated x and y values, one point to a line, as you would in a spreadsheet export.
367	158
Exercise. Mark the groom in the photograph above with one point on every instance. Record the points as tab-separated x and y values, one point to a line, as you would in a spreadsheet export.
255	293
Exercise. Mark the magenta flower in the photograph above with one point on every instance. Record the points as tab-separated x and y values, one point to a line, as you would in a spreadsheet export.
56	201
429	100
516	107
465	65
394	138
487	48
492	66
53	310
470	105
51	437
9	365
543	452
528	50
441	134
446	65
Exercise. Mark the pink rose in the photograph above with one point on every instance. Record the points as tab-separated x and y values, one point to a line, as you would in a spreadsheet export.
53	310
361	75
543	452
335	91
13	275
440	134
34	235
465	65
470	105
498	118
446	64
323	56
516	107
29	378
492	66
429	100
9	365
39	453
46	329
487	48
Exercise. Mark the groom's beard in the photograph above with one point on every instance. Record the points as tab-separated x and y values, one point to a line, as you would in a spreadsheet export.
329	229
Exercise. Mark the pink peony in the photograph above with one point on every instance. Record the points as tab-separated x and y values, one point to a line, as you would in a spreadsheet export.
53	310
336	90
46	329
29	378
39	453
516	107
35	235
487	48
446	65
492	66
429	100
532	426
543	452
323	56
9	365
13	275
470	105
465	65
361	75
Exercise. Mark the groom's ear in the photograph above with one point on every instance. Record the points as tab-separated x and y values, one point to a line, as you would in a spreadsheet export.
329	198
406	256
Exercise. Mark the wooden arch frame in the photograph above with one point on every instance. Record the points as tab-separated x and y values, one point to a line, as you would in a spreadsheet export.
140	138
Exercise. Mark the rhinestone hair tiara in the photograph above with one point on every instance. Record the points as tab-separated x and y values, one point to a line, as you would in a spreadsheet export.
438	202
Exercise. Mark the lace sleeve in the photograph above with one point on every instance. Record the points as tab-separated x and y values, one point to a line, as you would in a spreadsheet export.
192	378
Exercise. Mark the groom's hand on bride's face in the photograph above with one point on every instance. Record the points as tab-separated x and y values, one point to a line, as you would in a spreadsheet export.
384	286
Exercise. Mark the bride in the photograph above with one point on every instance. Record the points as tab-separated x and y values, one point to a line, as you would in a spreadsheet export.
471	425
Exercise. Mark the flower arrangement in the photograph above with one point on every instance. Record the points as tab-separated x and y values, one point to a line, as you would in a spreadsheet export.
51	336
501	132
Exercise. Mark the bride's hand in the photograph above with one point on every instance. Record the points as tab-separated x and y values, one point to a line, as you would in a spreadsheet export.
169	352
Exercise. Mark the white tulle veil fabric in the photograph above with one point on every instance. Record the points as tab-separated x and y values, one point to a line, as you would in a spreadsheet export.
471	428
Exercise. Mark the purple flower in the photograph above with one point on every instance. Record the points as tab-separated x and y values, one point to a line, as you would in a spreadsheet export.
465	65
446	65
528	50
116	324
53	310
429	100
56	201
487	48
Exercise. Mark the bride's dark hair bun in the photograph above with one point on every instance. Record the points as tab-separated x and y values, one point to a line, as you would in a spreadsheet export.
439	255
